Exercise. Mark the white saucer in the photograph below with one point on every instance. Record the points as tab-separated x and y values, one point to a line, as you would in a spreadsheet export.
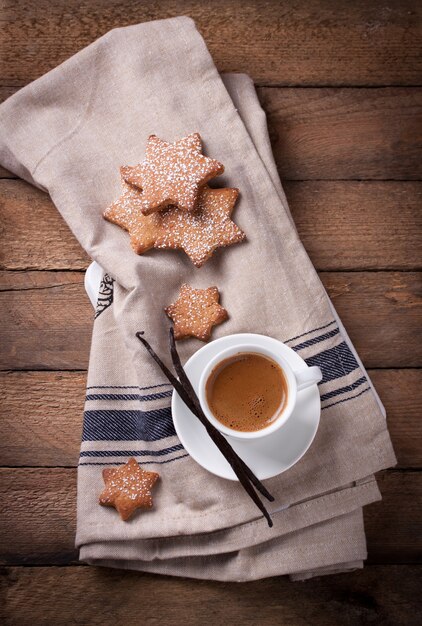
267	456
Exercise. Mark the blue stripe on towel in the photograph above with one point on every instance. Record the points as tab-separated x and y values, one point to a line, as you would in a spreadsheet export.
308	332
120	425
183	456
341	390
327	406
102	453
311	342
334	362
153	425
128	396
128	386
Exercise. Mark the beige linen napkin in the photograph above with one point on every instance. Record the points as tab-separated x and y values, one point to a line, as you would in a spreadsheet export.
68	133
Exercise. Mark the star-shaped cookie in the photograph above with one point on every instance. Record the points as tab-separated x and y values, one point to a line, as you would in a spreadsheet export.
195	312
172	173
198	233
127	488
202	231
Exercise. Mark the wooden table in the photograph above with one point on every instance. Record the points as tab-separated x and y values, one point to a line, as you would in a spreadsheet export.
339	81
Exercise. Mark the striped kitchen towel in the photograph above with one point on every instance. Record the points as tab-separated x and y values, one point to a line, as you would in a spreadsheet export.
68	133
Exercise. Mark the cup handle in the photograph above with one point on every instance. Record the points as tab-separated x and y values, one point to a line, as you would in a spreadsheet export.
307	377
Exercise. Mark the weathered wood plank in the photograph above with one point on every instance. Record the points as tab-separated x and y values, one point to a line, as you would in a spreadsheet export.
343	225
39	509
399	391
5	92
345	133
277	42
4	173
382	314
44	501
394	533
41	416
347	225
47	318
376	595
34	235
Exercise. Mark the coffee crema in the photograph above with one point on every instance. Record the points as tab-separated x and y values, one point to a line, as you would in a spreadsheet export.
247	391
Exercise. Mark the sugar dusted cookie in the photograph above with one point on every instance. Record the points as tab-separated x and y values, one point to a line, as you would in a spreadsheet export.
202	231
126	213
198	233
127	488
172	173
195	312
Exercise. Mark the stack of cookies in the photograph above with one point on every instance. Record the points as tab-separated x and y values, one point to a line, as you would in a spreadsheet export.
166	202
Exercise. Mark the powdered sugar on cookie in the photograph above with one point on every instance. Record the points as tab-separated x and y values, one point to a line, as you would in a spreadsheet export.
198	233
172	173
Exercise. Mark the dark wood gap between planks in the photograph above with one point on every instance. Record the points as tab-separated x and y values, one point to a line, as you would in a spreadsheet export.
322	86
77	563
261	85
61	467
84	371
367	270
404	470
304	180
71	370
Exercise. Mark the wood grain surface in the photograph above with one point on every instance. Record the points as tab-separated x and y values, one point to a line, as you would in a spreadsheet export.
342	133
345	133
43	429
341	85
279	42
47	318
378	595
27	494
343	225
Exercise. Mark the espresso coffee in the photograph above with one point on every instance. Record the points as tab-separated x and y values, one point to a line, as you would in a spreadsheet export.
247	391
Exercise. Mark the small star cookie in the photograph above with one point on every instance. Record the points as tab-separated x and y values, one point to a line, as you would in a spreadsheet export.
128	488
195	312
172	173
198	233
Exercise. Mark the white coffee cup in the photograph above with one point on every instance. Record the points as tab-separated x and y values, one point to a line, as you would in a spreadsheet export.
297	380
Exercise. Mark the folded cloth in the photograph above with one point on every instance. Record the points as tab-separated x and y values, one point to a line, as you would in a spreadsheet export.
68	133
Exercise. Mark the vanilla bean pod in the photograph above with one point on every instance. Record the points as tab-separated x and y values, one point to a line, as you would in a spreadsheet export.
222	444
